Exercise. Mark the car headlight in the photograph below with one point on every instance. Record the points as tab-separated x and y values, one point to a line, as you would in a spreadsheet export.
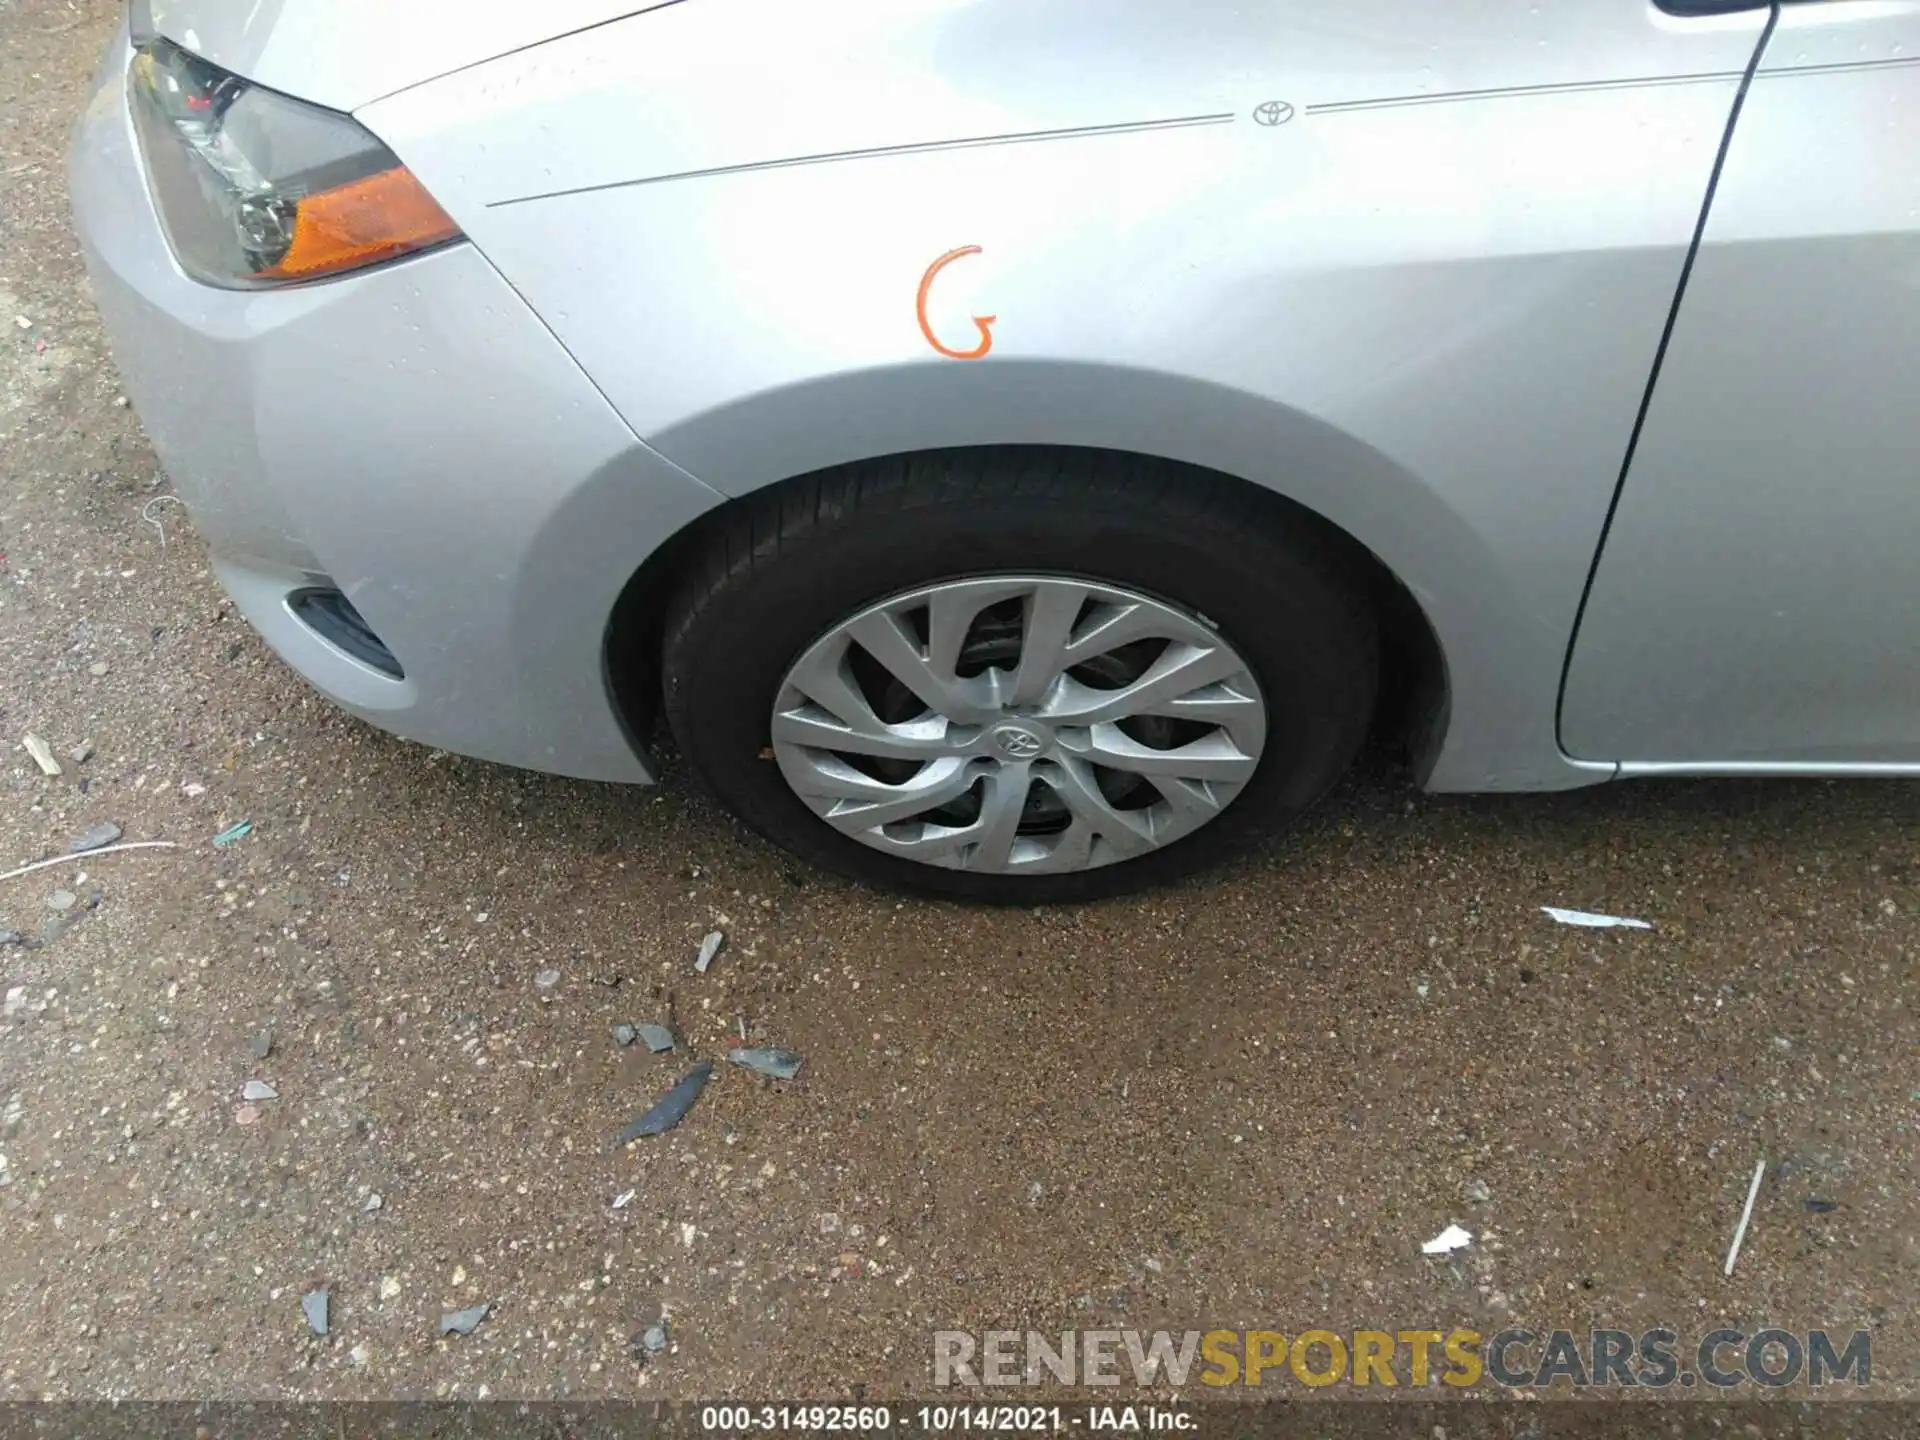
256	189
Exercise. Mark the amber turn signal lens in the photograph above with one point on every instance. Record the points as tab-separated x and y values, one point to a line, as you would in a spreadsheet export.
361	223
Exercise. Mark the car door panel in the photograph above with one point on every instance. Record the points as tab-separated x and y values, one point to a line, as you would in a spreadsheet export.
1757	603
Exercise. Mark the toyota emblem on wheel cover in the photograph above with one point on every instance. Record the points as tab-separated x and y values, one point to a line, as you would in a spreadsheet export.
1273	112
1018	744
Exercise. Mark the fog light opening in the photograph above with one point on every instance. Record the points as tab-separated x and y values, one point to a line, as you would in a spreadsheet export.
331	616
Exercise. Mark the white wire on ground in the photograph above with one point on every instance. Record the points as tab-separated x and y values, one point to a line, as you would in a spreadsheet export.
1740	1232
86	855
146	514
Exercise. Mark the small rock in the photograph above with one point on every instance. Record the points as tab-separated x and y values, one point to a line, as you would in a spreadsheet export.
246	1115
709	948
671	1109
314	1302
262	1045
372	1203
829	1223
655	1339
774	1064
547	979
95	836
119	402
6	1172
21	322
624	1035
459	1276
1478	1192
358	1355
12	937
258	1090
62	900
42	756
624	1199
389	1288
81	753
15	1002
462	1322
97	669
659	1039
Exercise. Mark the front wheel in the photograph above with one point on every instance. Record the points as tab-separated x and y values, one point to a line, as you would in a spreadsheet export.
1017	676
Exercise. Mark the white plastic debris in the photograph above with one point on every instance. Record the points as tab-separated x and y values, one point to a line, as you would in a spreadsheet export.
624	1199
1746	1214
42	754
1447	1241
258	1090
709	948
1591	921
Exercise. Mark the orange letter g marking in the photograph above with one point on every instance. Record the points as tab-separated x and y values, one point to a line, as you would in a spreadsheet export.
980	321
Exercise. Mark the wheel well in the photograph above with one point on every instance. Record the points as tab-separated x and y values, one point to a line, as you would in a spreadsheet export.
1411	715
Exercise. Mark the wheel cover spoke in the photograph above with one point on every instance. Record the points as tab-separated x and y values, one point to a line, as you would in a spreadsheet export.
1019	724
1047	633
814	727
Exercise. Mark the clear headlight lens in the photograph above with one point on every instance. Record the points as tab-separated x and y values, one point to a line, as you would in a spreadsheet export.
257	189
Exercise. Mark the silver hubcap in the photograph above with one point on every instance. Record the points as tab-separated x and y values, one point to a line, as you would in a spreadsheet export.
1018	724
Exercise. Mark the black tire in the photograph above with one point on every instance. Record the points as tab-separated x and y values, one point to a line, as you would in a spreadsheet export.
787	565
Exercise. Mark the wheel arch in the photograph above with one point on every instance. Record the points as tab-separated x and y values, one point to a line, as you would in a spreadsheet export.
1413	705
1484	715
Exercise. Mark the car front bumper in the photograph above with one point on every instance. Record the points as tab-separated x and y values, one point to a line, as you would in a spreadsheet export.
411	435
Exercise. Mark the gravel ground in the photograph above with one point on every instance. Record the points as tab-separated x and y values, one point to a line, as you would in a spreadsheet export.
1244	1102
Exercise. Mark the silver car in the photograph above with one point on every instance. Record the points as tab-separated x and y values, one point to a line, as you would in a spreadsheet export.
1022	448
